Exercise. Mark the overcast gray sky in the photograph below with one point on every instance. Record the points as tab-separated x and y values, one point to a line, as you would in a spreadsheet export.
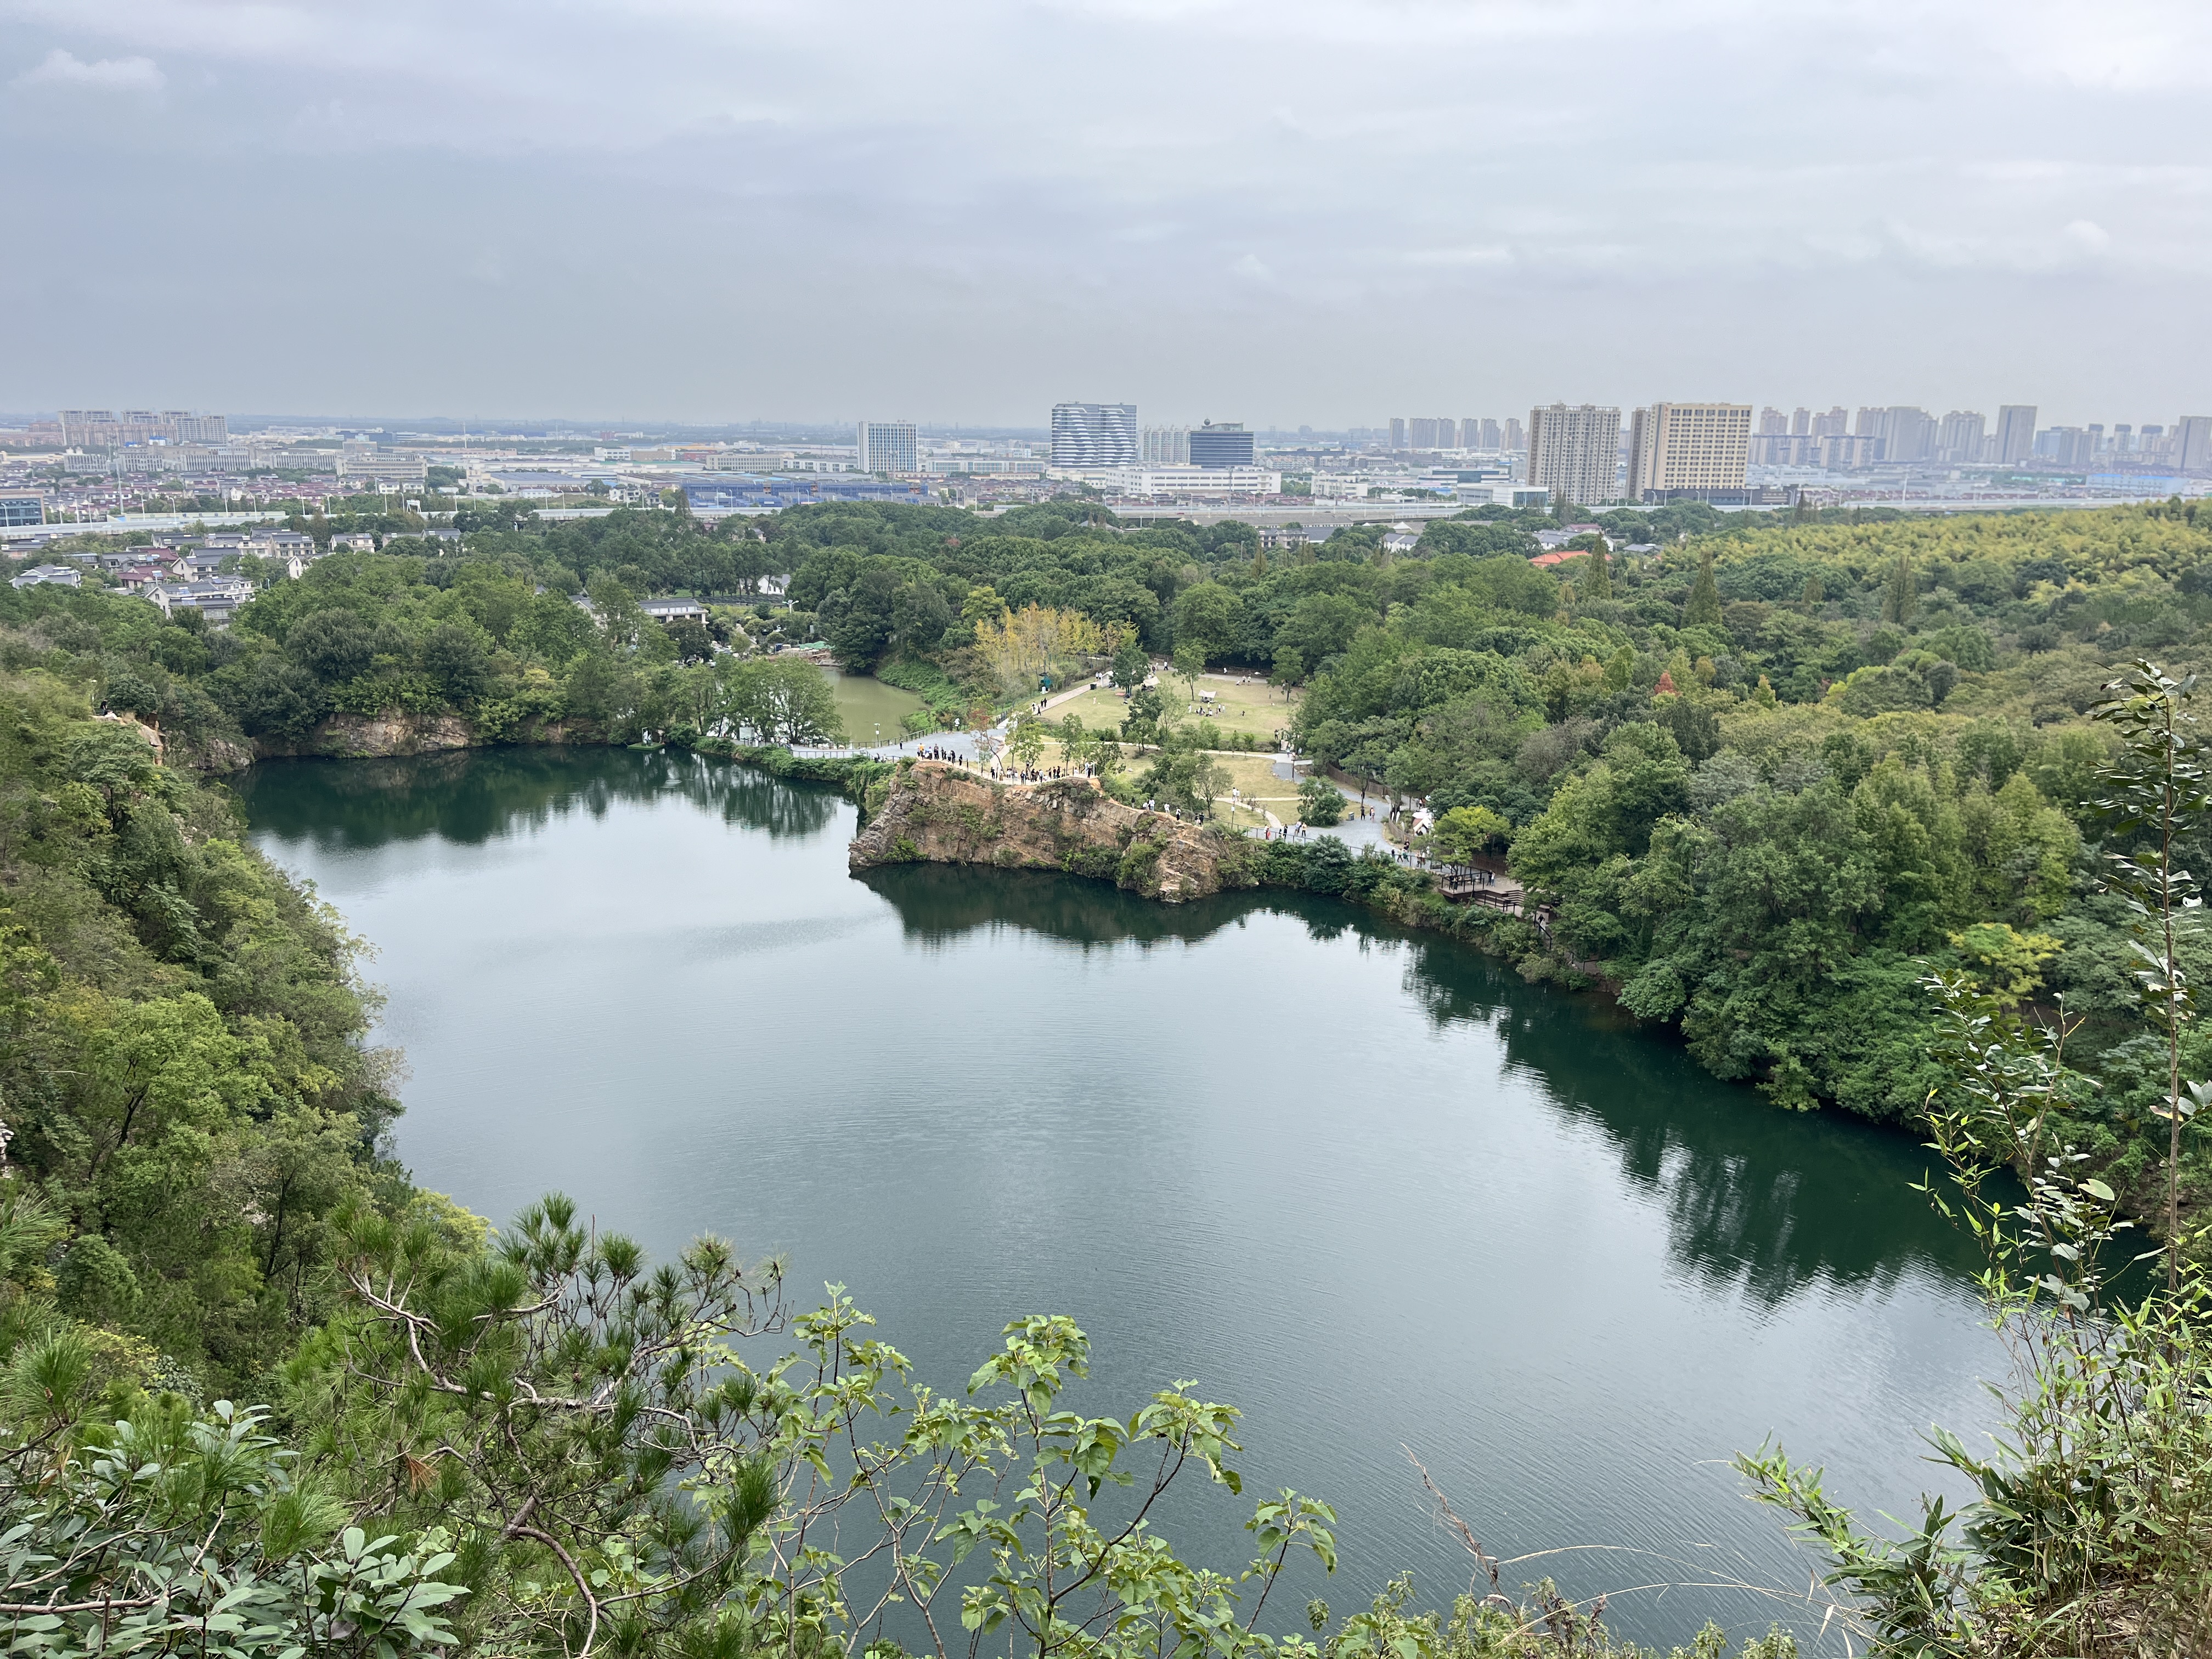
1283	212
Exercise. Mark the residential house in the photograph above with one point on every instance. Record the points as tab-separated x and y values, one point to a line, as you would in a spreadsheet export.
214	600
49	575
669	610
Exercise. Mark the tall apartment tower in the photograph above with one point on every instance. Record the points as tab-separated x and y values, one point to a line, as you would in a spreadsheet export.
1470	434
1515	438
1095	435
1699	448
1836	423
1575	451
2190	446
2015	433
1962	440
1800	423
1491	438
1167	446
887	446
1397	432
1773	423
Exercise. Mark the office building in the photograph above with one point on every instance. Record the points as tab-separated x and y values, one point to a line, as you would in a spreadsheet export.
1575	451
21	507
1167	446
2016	435
1678	450
362	461
2190	446
1094	434
887	446
1225	443
1961	440
1195	481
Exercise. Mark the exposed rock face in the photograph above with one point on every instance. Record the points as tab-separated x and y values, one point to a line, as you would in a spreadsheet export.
932	813
359	737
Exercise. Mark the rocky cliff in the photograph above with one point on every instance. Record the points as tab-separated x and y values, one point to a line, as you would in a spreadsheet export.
362	736
931	813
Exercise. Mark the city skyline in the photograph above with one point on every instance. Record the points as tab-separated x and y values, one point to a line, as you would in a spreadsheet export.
1322	209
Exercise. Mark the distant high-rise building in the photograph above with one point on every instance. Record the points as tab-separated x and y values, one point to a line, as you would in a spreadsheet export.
887	446
1167	446
1871	423
2123	439
1514	437
1470	434
2067	446
1575	451
2097	444
1221	443
1800	423
1492	438
1094	434
1836	423
103	429
1688	447
1772	421
1960	440
1426	434
2150	442
1908	434
2190	446
1397	433
2015	435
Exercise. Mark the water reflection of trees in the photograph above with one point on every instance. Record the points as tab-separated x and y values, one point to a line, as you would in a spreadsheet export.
473	796
1770	1202
1769	1199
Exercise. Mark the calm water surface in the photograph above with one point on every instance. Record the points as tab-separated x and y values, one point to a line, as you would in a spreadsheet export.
1370	1186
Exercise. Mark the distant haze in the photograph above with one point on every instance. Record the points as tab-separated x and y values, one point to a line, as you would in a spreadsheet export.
1292	212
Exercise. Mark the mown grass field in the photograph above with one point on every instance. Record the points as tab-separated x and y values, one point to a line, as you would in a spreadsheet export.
1254	707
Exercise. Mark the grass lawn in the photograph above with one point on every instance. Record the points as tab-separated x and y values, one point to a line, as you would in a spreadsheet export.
1253	775
1256	708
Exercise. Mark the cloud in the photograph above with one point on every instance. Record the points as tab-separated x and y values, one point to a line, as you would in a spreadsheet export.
63	69
1837	193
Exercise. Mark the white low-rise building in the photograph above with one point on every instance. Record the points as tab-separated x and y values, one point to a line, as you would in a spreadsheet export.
214	600
49	575
1176	480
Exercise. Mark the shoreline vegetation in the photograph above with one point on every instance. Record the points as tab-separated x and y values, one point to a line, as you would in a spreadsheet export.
1846	799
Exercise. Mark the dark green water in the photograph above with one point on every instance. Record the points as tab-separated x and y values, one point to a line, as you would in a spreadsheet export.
1370	1186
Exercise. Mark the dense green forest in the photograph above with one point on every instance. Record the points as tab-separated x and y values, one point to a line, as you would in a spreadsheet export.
1769	778
1760	775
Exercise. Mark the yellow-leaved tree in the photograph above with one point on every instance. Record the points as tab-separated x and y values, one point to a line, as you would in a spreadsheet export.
1022	646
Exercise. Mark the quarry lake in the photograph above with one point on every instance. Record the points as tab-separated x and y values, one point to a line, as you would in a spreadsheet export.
1366	1184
